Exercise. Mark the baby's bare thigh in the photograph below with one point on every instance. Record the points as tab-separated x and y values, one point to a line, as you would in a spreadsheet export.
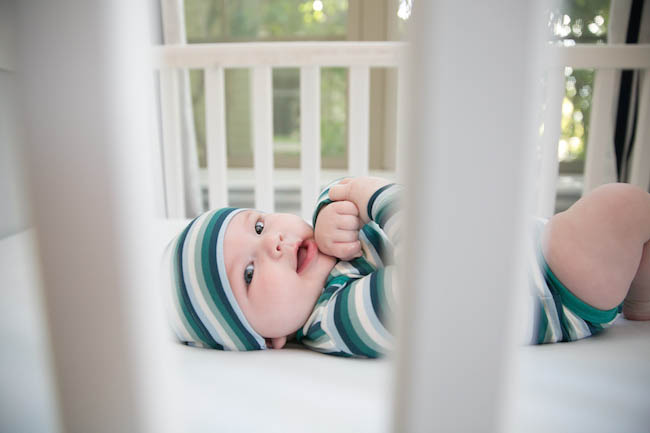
595	247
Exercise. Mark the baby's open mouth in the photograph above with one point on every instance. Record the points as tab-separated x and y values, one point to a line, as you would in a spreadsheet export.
306	253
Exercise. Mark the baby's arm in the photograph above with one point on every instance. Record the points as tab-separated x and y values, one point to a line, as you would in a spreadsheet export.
353	315
356	319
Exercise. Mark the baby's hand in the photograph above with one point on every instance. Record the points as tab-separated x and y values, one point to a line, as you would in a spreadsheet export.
337	230
358	190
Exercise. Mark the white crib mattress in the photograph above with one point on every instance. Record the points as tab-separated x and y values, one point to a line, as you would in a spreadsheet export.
600	384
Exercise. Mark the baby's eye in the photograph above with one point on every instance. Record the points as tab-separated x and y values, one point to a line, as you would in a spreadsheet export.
259	227
248	273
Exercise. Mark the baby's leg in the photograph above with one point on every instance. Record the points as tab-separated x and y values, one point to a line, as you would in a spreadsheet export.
599	248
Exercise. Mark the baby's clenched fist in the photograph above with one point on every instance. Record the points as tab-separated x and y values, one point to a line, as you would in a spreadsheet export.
337	230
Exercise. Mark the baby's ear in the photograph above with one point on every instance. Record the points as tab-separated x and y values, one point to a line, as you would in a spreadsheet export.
278	342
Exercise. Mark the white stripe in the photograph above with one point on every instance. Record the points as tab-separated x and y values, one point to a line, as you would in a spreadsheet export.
346	269
368	318
579	328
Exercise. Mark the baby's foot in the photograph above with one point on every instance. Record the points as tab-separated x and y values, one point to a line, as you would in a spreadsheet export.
636	310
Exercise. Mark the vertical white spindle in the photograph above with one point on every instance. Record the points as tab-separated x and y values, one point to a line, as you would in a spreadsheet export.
310	138
215	125
358	120
157	160
172	150
640	171
401	135
466	201
549	171
262	105
87	149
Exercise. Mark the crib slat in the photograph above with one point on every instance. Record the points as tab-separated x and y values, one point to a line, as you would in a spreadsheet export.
172	152
215	124
358	120
401	134
261	101
640	171
549	142
309	138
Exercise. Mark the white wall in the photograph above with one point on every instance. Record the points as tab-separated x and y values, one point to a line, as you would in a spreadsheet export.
13	209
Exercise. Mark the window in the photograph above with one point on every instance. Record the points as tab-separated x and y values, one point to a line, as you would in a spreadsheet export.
271	20
582	22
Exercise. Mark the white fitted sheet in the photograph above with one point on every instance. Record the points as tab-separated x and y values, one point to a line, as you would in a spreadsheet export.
600	384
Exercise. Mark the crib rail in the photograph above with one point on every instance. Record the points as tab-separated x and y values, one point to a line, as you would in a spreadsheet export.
310	57
279	54
358	57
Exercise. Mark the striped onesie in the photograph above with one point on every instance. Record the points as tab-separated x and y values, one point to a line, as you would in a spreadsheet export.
351	317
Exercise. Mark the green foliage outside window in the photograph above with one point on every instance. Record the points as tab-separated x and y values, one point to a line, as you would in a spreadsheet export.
209	21
582	22
574	21
253	20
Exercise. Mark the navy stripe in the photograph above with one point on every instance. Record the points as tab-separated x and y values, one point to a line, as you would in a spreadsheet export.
362	266
374	197
541	325
375	287
375	240
384	215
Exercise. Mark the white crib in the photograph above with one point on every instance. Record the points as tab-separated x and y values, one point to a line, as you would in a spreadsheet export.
359	57
113	371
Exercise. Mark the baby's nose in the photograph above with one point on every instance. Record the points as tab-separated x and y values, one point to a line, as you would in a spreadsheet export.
275	244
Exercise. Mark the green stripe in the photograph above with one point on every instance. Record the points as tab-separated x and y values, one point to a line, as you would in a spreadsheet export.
355	320
375	240
179	304
320	206
575	304
345	327
543	325
209	263
200	276
362	266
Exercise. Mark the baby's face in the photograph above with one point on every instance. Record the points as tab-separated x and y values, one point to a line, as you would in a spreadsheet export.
275	270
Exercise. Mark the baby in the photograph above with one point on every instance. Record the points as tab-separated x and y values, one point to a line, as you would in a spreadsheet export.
245	280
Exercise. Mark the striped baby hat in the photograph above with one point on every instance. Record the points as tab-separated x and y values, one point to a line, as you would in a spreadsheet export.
201	306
